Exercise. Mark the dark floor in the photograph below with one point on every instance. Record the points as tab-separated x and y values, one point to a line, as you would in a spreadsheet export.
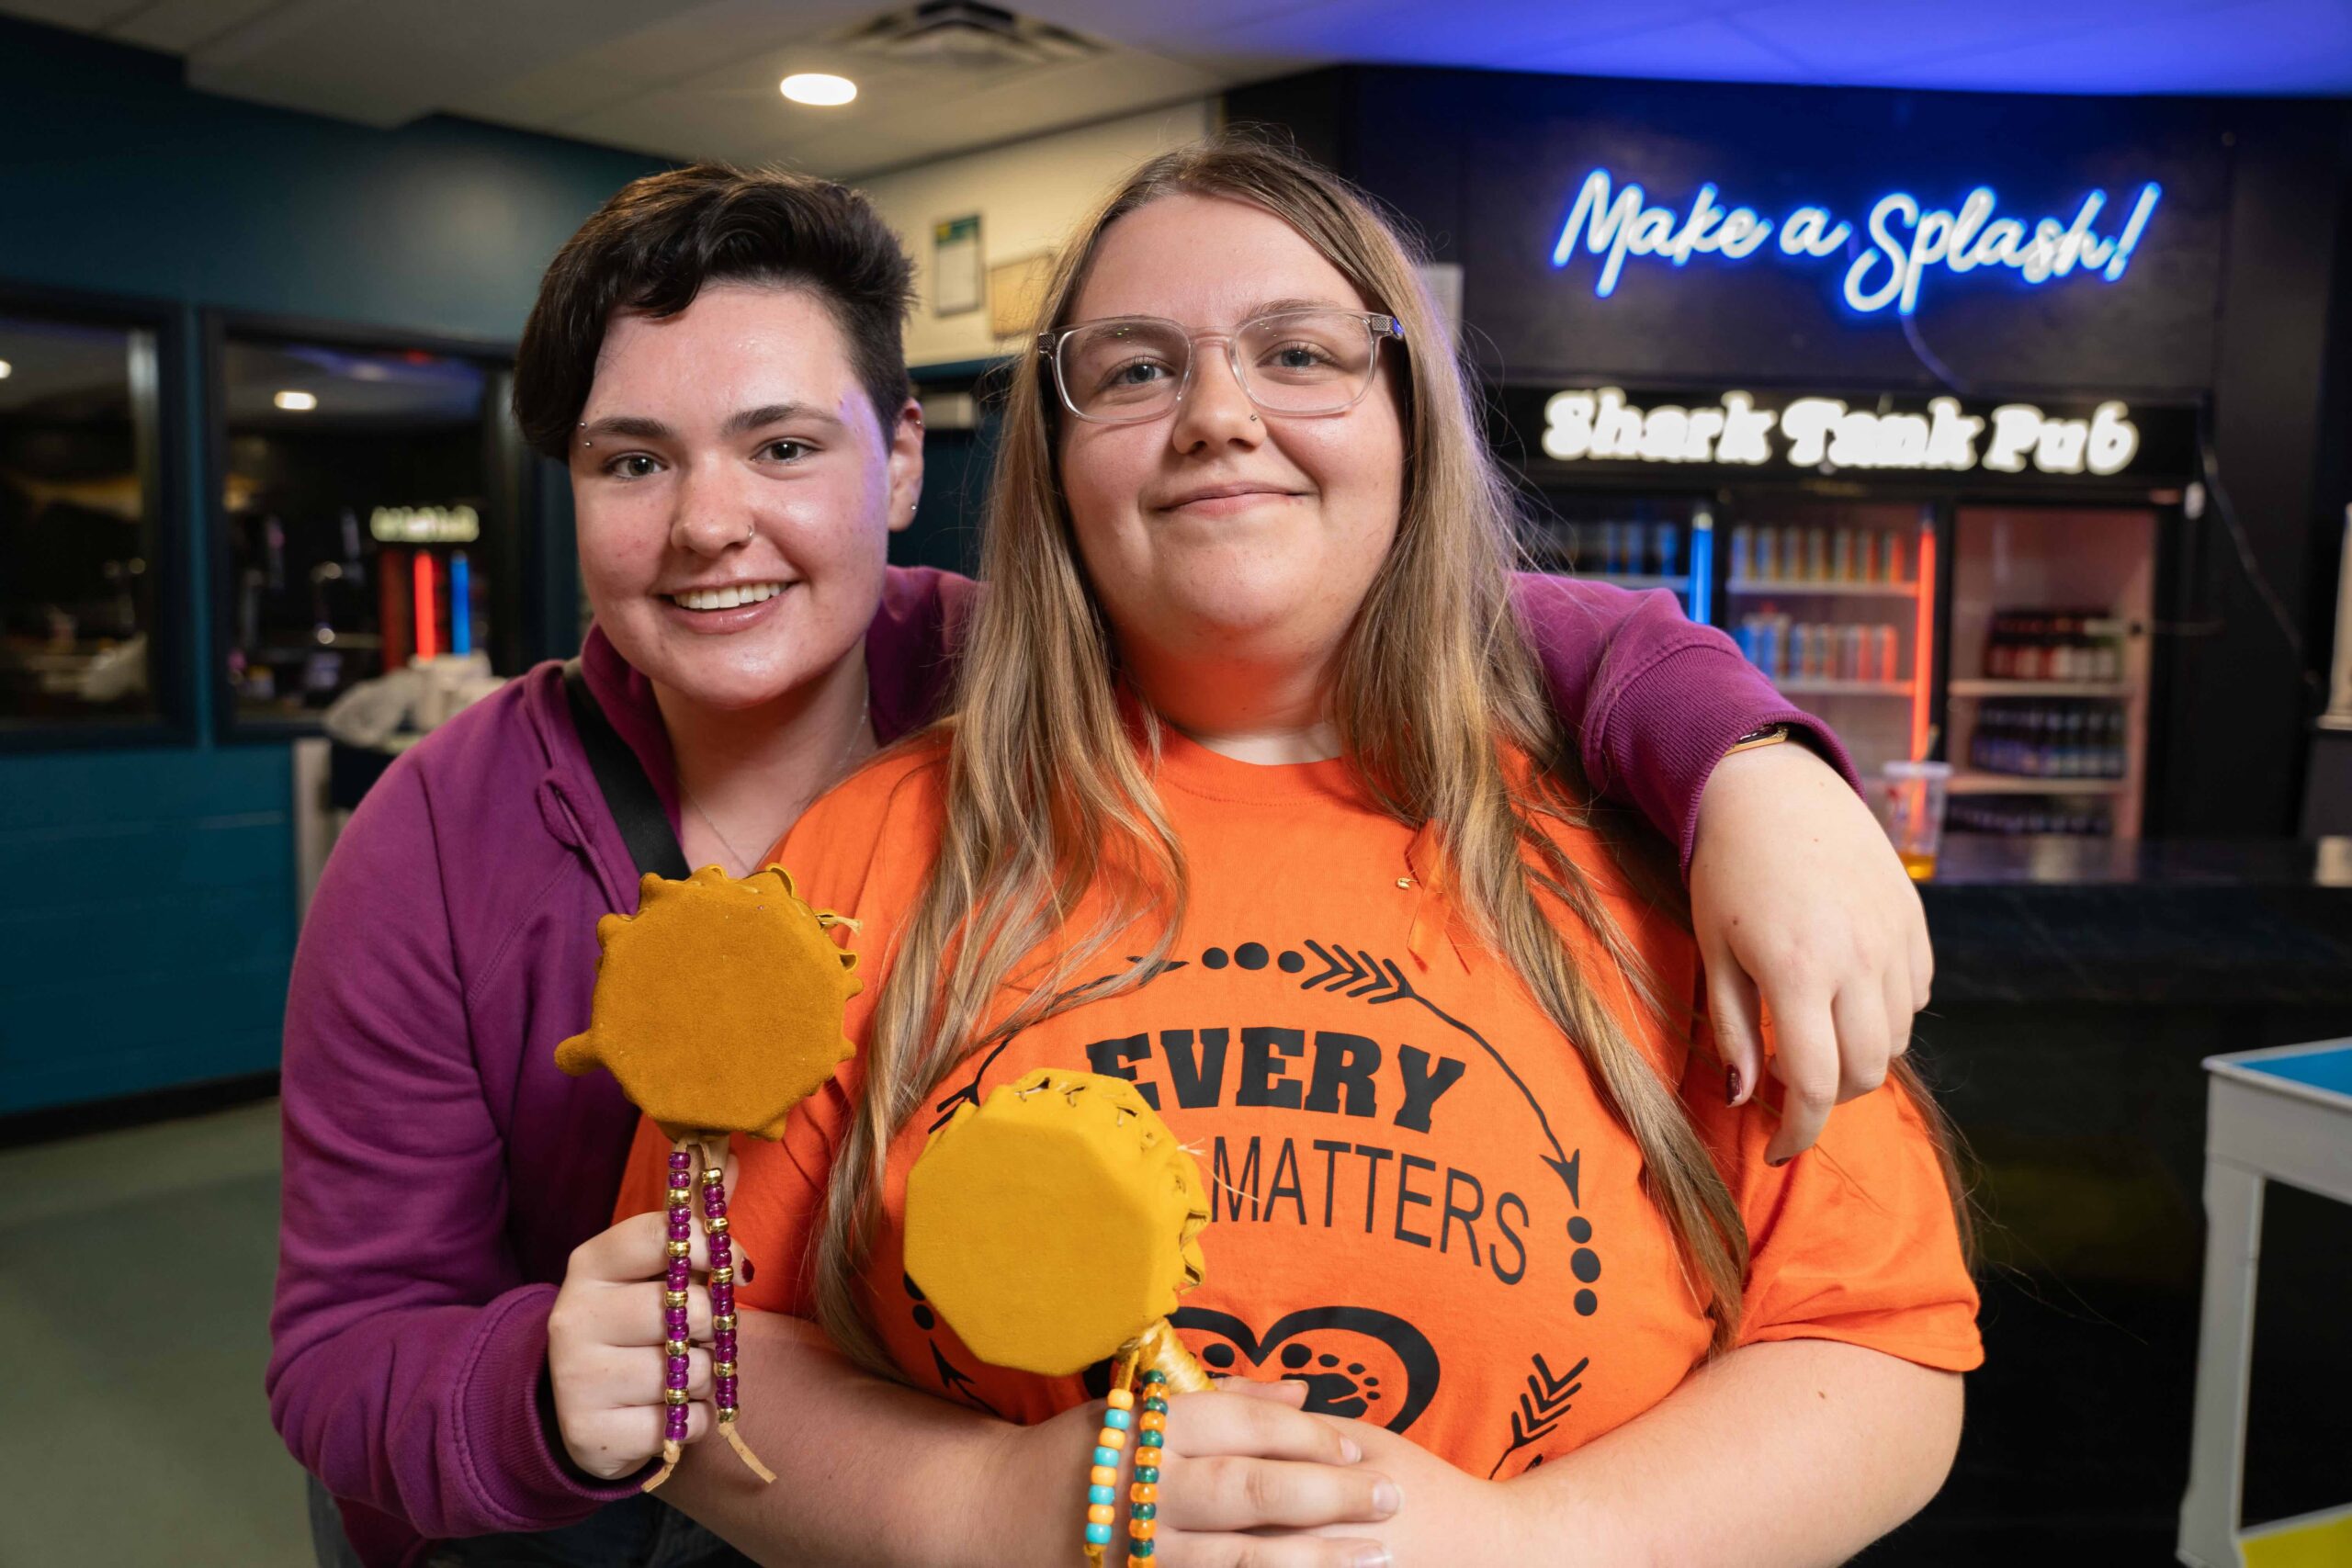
2086	1124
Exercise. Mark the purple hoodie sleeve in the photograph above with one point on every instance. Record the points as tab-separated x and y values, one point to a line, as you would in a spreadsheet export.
1653	700
407	1353
910	647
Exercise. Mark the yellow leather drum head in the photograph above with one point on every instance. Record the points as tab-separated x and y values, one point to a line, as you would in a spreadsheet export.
1055	1223
718	1004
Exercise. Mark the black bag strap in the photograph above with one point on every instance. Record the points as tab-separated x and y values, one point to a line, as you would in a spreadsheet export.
628	794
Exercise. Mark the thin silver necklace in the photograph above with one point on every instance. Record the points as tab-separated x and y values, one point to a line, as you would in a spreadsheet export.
742	862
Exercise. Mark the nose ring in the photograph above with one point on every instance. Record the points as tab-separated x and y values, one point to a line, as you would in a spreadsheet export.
1253	419
749	530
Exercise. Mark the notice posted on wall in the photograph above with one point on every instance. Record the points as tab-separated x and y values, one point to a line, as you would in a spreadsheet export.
958	282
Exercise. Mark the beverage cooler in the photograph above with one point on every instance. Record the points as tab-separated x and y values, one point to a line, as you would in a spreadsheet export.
2046	696
1998	621
2023	661
372	497
1826	597
1633	541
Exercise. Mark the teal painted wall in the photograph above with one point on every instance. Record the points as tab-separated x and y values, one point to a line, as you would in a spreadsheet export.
151	922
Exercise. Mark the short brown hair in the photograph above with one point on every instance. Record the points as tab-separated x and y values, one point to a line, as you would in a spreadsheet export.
662	239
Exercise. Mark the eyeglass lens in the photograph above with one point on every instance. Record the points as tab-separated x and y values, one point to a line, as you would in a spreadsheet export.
1298	361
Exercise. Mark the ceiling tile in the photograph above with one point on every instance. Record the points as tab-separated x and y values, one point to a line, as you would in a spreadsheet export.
1860	39
82	16
385	64
2271	46
1397	31
177	26
1708	50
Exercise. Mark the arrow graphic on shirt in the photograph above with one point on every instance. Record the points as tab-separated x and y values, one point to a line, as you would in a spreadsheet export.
970	1093
1540	1408
1378	981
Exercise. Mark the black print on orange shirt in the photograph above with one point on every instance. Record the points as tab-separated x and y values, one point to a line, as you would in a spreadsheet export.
1340	1079
1366	1183
993	1046
953	1382
1355	1361
1540	1409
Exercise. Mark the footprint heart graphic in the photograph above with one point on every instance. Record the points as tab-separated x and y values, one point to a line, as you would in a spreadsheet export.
1355	1361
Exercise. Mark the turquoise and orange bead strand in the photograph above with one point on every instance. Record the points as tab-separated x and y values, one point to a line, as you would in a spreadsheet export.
1143	1494
1103	1479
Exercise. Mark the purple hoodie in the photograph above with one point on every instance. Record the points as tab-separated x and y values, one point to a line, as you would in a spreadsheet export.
440	1170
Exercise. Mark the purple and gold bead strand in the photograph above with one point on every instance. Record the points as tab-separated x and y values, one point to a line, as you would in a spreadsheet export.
726	1388
678	1249
722	1291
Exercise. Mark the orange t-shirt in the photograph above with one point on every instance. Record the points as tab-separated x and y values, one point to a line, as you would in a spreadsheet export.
1422	1210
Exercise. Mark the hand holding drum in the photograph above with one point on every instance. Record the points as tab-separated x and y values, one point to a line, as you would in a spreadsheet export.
1053	1227
718	1006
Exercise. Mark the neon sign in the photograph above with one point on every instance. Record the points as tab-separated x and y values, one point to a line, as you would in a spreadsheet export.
424	525
1899	244
1602	425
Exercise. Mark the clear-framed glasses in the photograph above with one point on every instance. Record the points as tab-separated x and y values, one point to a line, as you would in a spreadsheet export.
1125	369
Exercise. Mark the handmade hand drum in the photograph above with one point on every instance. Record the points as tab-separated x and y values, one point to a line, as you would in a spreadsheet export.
718	1007
1056	1225
1053	1227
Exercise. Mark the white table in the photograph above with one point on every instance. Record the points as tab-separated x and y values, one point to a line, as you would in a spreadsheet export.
2279	1115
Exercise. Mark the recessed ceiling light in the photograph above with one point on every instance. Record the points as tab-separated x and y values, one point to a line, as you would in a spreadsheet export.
297	402
816	87
6	369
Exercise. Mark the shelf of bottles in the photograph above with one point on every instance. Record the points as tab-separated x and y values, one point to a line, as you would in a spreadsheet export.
2049	732
1633	543
1823	654
1823	595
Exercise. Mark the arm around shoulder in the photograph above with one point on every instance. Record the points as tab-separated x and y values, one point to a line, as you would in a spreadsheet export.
1653	700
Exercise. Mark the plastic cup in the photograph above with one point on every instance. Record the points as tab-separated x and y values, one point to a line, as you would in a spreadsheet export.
1911	807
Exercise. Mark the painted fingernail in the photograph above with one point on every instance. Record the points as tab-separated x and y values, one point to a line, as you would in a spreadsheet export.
1348	1451
1730	1086
1386	1499
744	1264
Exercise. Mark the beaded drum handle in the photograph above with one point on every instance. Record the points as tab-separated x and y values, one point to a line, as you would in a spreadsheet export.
725	1389
1053	1225
1165	1368
701	1074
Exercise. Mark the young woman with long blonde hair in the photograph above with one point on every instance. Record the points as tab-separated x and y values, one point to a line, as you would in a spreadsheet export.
1252	797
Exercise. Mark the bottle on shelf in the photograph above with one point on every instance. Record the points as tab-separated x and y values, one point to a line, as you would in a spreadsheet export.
2032	737
2053	645
1816	553
2014	815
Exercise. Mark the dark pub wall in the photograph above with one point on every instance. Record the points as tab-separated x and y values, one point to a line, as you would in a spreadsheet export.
153	920
2229	301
